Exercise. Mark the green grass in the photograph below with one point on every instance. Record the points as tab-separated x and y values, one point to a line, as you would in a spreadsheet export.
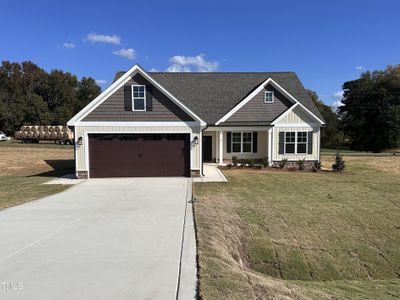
19	189
25	167
314	234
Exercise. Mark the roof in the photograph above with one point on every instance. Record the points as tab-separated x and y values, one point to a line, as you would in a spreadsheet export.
212	95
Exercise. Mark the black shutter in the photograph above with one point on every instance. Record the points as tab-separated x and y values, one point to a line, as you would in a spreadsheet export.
149	97
310	138
255	142
228	142
128	98
281	143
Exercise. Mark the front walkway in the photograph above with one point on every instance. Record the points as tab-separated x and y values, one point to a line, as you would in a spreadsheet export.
211	174
101	239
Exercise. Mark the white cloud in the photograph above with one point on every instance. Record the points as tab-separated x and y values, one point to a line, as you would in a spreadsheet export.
127	53
335	105
181	63
153	70
101	81
68	45
338	95
359	68
103	38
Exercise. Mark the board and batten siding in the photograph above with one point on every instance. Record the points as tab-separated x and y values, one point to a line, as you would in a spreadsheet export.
295	121
256	110
82	151
112	109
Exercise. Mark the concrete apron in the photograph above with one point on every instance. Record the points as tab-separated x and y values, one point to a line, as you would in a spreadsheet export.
102	239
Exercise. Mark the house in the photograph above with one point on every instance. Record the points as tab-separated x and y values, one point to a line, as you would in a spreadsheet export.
169	124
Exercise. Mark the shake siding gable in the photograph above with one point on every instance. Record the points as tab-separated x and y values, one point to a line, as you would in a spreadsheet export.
114	108
256	110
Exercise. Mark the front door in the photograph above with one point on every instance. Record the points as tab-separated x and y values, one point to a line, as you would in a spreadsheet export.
207	149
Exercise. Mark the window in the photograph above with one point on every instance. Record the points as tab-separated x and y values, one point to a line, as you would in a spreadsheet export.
290	142
236	142
269	97
242	142
138	97
302	142
296	142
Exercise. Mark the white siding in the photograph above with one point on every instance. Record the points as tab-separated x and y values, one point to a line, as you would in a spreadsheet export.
296	120
81	151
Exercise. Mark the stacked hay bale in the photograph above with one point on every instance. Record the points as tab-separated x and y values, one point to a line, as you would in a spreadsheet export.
61	134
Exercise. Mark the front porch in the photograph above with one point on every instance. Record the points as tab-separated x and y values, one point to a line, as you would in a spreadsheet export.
220	144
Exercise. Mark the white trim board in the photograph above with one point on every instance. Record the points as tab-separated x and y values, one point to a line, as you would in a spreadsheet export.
137	124
255	92
118	84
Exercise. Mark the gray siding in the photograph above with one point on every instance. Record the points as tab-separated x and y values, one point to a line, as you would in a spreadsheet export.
112	109
257	111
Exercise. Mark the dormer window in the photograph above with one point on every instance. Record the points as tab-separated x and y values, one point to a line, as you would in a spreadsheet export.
269	97
138	97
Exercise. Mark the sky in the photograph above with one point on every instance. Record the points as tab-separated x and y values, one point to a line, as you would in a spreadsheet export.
325	42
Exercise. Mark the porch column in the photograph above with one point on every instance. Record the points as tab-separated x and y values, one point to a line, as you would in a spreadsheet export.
221	148
270	146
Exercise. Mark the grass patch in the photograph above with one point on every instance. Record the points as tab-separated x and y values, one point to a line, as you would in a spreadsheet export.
23	170
296	235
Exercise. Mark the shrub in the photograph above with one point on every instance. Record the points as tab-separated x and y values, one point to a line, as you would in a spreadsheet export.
301	164
283	163
251	163
339	164
234	160
264	162
316	166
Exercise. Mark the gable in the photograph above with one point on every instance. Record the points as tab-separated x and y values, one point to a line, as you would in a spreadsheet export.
112	108
256	110
297	116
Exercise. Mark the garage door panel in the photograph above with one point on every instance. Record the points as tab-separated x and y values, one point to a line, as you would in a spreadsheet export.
139	155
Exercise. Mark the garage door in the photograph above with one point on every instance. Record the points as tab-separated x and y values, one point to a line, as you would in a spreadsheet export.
139	155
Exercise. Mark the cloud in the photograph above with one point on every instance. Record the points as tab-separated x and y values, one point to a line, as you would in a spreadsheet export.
103	38
338	95
127	53
153	70
360	68
68	45
181	63
101	81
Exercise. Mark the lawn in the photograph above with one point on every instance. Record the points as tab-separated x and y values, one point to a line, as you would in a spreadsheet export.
301	234
25	167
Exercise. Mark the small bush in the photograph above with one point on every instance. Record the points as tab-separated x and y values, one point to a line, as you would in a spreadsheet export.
234	160
316	166
339	164
283	163
264	162
301	164
251	163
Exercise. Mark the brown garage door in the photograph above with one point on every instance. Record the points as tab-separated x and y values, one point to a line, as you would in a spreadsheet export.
137	155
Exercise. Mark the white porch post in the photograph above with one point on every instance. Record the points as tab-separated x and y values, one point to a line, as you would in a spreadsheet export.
221	148
270	146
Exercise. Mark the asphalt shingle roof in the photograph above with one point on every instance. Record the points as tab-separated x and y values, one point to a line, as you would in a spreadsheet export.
212	95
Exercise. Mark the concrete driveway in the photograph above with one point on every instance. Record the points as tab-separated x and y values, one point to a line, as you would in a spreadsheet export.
101	239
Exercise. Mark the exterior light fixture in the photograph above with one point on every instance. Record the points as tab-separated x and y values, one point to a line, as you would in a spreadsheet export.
80	139
195	140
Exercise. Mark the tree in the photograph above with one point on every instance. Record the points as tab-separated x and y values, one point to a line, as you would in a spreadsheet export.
371	111
31	96
331	135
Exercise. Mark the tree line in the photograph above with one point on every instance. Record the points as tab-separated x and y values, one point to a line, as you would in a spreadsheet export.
369	117
31	96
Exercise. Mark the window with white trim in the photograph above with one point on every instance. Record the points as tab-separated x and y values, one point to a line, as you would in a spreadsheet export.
269	97
302	142
290	142
242	142
138	97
